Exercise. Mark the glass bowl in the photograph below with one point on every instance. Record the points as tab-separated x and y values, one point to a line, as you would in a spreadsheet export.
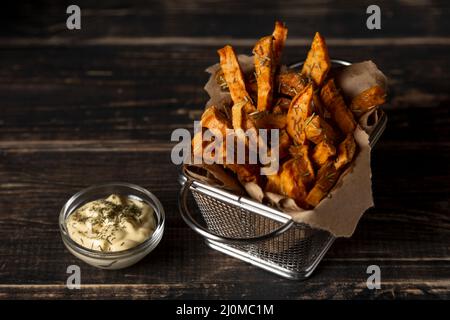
116	259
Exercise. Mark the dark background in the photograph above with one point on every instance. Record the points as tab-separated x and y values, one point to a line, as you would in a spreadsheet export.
99	104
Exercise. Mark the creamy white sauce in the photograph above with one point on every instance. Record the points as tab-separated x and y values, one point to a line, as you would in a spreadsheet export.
113	224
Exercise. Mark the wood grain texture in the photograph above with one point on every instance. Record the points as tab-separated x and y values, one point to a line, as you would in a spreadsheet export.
111	95
100	105
230	19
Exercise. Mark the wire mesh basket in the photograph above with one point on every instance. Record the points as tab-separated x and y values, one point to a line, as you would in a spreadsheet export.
254	232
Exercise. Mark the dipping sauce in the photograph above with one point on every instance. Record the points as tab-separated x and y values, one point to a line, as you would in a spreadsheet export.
115	223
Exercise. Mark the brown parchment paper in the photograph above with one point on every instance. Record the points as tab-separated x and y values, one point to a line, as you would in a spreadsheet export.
340	211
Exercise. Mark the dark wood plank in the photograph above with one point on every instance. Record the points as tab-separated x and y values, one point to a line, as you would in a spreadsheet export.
37	183
237	19
107	93
276	290
98	105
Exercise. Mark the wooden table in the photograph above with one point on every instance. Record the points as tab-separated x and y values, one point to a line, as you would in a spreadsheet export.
99	104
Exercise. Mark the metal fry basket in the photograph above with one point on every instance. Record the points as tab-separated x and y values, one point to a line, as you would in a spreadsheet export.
254	232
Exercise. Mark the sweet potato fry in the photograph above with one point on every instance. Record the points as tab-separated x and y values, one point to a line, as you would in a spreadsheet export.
317	63
299	110
322	152
291	186
366	100
284	144
238	116
291	83
241	123
301	156
296	175
346	151
245	172
264	72
252	87
279	34
198	145
266	120
250	84
273	184
335	104
214	153
326	179
234	78
318	130
319	108
205	151
291	182
281	105
213	119
242	120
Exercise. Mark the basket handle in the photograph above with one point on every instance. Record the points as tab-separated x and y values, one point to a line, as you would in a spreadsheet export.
197	227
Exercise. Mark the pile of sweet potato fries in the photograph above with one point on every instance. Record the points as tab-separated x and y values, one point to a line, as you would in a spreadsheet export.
316	142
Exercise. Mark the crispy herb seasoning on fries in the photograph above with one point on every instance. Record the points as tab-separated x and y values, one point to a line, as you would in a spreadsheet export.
316	124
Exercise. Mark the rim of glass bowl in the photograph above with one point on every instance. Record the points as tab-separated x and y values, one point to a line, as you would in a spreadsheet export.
131	190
